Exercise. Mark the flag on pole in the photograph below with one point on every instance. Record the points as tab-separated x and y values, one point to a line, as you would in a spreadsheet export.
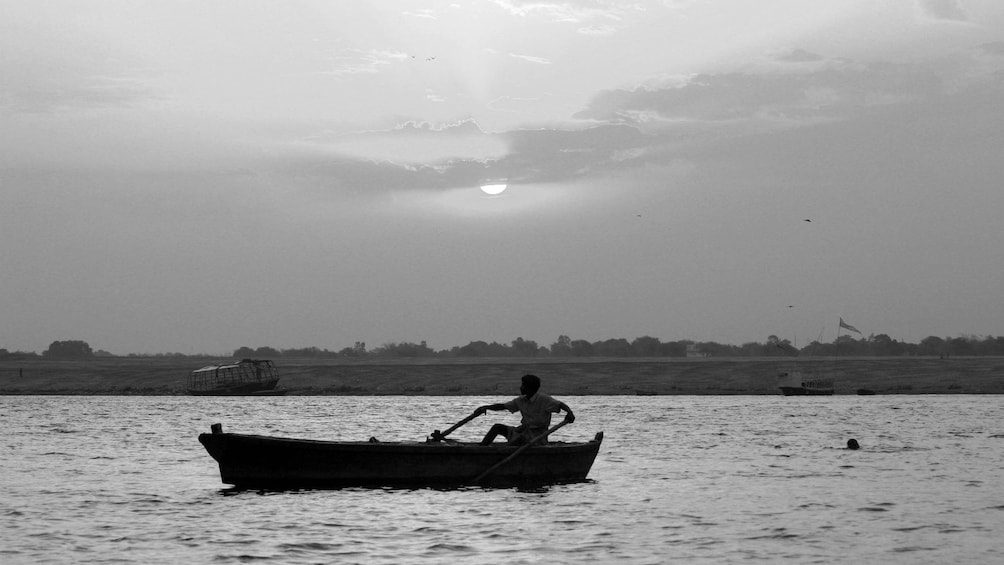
847	326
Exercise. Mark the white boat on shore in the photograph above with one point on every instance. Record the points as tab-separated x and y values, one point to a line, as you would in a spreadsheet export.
794	383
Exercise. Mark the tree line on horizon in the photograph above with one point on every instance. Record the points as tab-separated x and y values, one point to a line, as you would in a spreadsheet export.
880	345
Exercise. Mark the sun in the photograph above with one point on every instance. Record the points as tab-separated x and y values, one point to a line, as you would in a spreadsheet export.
493	189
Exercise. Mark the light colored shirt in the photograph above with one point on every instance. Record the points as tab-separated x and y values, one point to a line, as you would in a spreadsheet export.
536	410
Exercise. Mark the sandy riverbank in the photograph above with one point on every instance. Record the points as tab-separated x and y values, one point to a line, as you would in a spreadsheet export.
903	375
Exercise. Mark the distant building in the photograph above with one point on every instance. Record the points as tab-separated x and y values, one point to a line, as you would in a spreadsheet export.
693	352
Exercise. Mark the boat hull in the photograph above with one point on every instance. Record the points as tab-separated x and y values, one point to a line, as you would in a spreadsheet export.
264	388
803	391
252	461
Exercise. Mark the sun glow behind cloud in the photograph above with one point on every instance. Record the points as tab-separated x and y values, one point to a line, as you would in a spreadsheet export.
493	189
517	203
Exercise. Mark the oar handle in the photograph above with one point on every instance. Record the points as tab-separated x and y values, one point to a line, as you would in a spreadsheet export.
438	436
516	453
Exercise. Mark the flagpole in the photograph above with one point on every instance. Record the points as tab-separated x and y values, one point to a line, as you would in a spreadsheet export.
836	345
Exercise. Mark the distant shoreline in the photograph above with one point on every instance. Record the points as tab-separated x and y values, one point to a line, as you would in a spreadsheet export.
500	376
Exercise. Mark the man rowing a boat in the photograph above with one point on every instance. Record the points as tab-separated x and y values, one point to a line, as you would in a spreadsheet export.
535	407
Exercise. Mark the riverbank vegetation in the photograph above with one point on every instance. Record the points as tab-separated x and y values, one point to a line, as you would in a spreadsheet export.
875	345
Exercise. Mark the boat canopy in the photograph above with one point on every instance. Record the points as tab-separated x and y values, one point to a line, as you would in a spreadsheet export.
232	375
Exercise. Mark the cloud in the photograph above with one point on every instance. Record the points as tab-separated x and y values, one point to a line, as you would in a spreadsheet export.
46	72
360	61
946	10
433	96
415	155
571	11
798	56
413	143
464	157
424	13
637	129
35	95
597	30
828	92
995	48
557	155
647	128
531	59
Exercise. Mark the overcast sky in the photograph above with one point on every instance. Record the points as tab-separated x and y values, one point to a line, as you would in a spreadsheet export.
198	176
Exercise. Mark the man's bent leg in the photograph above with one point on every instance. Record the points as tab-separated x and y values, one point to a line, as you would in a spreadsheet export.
497	430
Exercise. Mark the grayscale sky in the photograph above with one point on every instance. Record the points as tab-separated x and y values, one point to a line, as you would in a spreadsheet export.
196	176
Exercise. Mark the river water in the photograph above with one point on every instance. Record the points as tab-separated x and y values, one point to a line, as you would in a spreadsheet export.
702	479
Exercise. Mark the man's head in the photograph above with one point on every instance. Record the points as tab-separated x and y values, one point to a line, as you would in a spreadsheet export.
529	385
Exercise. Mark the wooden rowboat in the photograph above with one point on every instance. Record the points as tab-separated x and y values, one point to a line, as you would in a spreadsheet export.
265	462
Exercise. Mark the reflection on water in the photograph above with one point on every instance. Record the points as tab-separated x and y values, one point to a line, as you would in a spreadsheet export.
712	479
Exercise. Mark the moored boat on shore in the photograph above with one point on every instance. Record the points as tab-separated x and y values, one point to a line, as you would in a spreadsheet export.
247	377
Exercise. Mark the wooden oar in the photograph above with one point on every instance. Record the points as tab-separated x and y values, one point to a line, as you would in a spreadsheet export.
438	436
519	451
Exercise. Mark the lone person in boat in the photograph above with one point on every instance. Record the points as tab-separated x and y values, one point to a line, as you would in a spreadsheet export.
535	407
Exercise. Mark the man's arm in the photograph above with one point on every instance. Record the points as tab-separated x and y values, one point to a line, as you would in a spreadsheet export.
482	409
569	417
